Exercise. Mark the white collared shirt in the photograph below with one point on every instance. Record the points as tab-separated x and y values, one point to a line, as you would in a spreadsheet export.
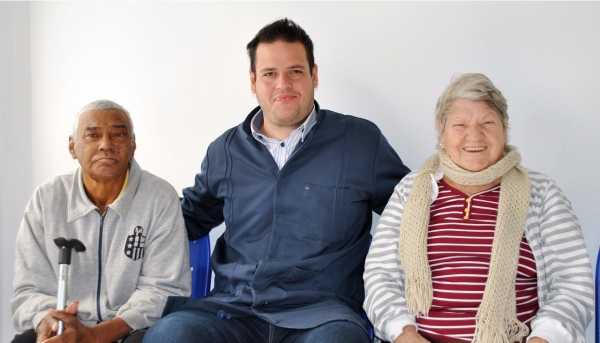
282	150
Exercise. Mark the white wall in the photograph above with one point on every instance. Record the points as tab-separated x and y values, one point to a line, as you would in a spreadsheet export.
182	71
15	146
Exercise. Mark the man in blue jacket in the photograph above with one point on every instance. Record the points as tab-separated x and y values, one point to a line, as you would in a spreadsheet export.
296	186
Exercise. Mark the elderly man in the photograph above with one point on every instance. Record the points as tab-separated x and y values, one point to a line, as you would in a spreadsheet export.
129	220
296	186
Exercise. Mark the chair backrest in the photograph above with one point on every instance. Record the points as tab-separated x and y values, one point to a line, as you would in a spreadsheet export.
200	265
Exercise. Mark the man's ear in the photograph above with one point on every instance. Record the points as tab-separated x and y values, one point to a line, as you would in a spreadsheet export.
133	146
72	147
315	76
252	82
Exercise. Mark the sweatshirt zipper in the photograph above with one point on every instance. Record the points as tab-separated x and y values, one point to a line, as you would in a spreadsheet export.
99	269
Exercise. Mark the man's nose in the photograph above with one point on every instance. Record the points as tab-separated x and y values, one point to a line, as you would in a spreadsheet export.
106	143
283	82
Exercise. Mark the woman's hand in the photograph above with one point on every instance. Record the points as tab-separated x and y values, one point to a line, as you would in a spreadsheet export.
410	335
537	340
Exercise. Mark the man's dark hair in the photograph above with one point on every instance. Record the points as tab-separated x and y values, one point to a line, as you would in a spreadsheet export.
285	30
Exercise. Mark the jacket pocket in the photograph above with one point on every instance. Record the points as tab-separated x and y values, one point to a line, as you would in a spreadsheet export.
323	209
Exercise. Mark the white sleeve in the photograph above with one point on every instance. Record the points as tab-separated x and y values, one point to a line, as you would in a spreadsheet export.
384	277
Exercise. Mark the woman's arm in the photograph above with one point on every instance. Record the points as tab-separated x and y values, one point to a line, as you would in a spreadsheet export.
384	277
565	284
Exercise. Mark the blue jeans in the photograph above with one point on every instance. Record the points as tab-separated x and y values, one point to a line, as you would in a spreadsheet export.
190	326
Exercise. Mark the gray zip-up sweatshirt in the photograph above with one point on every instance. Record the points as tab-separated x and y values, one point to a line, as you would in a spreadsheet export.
136	256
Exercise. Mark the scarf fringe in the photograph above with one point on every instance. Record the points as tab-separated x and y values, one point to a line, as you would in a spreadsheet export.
512	331
419	296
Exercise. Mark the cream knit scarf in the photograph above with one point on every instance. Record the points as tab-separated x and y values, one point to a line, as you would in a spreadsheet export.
496	320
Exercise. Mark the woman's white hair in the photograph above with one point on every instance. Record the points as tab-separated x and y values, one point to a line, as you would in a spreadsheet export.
474	87
101	105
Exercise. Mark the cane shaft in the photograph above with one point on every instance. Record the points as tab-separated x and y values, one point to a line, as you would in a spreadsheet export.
63	272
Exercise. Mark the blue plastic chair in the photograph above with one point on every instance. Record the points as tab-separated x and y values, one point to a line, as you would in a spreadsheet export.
200	266
597	320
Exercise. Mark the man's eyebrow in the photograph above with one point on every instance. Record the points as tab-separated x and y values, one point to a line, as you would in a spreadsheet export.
295	66
263	70
96	128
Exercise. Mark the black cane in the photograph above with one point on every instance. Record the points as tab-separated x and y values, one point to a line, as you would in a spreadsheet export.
64	260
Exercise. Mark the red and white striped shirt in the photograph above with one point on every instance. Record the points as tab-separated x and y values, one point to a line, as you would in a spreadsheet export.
459	246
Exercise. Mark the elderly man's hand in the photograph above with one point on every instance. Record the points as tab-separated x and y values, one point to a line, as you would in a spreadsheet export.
44	329
49	325
74	331
410	335
537	340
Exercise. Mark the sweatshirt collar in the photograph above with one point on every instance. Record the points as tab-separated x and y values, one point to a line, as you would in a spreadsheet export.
80	205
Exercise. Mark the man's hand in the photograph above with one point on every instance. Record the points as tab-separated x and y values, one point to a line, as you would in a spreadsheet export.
49	325
44	328
74	331
537	340
410	335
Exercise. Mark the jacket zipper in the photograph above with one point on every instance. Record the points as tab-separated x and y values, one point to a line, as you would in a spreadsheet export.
297	150
99	268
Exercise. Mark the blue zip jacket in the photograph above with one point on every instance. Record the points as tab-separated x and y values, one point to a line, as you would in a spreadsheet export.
295	240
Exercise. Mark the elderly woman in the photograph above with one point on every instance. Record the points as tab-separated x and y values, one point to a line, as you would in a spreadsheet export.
473	247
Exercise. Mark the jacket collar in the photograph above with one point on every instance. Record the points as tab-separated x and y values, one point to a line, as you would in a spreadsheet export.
248	121
80	205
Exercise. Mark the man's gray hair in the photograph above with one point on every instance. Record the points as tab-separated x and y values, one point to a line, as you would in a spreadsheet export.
474	87
101	105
